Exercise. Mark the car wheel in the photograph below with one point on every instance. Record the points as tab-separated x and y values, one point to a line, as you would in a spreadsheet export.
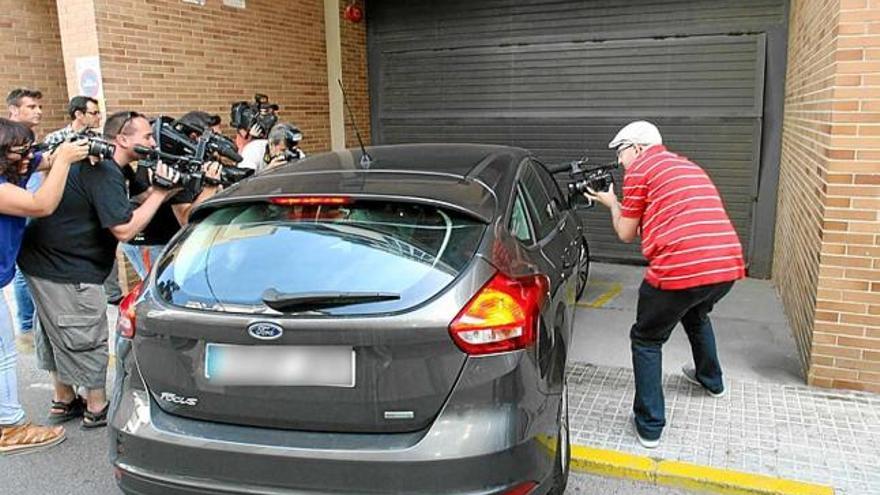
583	269
563	447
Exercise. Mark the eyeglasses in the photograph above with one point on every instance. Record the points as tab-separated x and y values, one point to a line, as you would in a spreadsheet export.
96	112
23	150
623	148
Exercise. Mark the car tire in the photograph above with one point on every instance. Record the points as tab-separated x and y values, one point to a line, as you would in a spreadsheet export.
563	447
583	268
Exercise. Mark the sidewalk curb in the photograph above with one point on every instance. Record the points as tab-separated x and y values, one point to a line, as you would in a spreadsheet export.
686	475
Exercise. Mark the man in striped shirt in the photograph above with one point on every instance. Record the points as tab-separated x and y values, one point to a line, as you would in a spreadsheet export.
694	256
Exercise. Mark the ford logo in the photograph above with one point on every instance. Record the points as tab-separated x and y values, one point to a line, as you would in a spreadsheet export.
264	330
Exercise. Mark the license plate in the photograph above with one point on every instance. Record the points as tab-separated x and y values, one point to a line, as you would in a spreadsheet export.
319	366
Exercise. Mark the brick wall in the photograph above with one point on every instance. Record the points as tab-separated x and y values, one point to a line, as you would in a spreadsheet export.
165	56
827	257
806	128
354	74
30	51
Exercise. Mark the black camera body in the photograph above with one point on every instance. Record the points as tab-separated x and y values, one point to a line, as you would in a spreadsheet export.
186	155
98	147
599	178
245	114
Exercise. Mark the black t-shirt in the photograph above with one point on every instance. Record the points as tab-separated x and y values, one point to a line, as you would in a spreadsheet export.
164	224
74	244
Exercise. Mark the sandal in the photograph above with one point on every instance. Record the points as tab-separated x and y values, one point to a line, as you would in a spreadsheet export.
66	411
28	437
95	420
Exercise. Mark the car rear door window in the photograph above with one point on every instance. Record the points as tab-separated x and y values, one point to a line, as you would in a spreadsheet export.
542	213
519	220
228	261
550	185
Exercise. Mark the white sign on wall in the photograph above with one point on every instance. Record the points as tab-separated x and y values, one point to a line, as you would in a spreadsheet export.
238	4
88	77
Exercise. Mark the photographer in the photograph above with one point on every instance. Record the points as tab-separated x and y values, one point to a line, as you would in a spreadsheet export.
68	255
85	120
252	120
280	148
16	203
694	257
144	249
85	117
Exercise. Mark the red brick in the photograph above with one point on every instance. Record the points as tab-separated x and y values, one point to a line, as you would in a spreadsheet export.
856	364
859	342
837	351
834	373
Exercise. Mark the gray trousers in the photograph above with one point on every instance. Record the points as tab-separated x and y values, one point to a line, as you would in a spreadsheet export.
71	332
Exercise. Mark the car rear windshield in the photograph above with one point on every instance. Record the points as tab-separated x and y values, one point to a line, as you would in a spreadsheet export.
403	252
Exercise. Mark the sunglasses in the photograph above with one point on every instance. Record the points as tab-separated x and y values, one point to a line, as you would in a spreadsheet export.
96	112
128	118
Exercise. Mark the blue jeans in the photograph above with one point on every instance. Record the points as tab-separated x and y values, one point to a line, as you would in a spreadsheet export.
11	411
142	256
24	302
659	311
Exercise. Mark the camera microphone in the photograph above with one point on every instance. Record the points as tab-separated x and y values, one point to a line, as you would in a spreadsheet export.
143	150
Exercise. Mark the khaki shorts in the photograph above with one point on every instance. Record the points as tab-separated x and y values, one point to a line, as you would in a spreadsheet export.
71	334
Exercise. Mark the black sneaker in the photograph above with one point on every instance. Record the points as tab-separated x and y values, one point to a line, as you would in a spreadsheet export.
690	374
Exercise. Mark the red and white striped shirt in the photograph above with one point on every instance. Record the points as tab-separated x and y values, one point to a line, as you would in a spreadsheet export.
687	236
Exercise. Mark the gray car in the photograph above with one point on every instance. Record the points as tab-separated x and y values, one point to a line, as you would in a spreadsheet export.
397	325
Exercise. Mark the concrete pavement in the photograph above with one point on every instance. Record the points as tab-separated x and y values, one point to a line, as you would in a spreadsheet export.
770	434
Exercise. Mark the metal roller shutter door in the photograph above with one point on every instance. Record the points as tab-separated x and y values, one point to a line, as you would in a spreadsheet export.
556	95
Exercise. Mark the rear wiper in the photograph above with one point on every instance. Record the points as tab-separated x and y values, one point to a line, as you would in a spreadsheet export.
301	301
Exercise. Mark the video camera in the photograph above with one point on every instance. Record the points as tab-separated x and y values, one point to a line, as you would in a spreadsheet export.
598	177
176	148
245	114
98	148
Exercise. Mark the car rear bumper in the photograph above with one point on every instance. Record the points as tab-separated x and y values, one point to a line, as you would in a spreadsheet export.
466	450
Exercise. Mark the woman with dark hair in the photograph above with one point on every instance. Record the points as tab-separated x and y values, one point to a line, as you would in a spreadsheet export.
16	203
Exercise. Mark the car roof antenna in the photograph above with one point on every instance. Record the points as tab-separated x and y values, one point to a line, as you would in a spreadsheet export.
366	159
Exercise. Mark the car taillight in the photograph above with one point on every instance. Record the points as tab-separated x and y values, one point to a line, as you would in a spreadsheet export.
522	489
502	317
310	200
125	324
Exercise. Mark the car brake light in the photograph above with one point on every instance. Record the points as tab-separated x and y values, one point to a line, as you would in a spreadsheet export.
310	200
522	489
502	317
125	324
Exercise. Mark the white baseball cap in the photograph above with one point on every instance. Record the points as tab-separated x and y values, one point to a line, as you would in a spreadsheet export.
638	132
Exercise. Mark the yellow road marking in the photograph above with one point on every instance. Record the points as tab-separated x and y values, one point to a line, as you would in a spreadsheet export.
614	289
685	475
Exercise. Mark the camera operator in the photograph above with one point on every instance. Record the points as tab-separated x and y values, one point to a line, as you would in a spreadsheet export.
143	250
694	257
252	120
280	148
85	117
68	255
201	120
